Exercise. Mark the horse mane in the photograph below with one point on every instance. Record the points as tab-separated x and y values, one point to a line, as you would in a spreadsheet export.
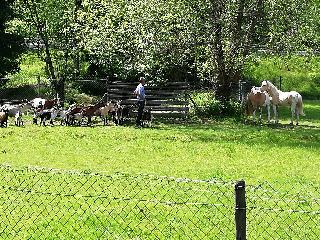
273	92
272	85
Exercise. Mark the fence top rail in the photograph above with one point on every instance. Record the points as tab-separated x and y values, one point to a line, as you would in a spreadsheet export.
55	171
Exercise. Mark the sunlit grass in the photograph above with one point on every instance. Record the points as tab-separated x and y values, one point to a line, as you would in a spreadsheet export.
286	157
31	69
224	149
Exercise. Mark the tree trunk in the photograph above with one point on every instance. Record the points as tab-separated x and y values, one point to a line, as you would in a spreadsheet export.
41	32
48	57
58	86
222	85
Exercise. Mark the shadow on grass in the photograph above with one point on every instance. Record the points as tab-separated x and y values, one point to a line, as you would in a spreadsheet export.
269	135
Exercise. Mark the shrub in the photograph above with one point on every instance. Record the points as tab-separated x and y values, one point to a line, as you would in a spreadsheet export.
206	106
73	95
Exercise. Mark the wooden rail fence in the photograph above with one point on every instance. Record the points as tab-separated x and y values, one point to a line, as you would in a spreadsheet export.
164	99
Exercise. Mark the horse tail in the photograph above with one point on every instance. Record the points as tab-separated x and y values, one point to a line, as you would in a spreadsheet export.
300	105
248	106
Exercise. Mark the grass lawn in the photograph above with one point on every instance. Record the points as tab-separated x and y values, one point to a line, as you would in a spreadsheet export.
217	149
68	206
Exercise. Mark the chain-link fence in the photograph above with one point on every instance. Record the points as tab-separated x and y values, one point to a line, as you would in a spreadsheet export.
45	89
283	210
54	204
50	204
92	87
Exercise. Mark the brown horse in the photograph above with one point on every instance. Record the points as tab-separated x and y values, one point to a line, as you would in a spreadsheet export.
256	100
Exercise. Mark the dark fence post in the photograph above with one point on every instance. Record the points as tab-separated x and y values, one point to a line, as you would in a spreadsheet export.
107	88
39	85
240	91
240	210
280	83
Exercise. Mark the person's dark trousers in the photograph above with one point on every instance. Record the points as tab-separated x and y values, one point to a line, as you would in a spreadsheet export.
140	112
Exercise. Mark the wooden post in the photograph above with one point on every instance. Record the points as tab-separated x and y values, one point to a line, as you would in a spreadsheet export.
39	82
280	83
107	88
240	210
239	89
186	88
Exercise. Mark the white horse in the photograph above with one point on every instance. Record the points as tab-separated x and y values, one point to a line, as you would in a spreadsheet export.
279	98
256	100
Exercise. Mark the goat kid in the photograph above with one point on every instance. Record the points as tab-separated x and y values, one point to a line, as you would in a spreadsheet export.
110	108
48	114
124	112
4	118
147	117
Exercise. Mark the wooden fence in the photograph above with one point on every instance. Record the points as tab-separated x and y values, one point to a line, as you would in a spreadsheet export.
164	99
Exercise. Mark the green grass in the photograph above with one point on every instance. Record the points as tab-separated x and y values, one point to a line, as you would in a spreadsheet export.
217	149
31	68
299	73
230	151
287	157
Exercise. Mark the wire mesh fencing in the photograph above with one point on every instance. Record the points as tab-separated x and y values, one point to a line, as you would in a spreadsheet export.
44	88
52	204
40	203
283	210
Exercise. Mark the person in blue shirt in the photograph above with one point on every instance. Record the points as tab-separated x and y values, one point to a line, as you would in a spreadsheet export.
141	97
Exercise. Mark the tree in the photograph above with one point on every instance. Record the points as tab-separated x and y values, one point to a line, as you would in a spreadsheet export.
231	30
137	37
52	21
11	44
293	25
169	39
225	38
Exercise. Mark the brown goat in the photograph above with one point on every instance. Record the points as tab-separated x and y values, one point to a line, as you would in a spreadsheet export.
4	119
89	111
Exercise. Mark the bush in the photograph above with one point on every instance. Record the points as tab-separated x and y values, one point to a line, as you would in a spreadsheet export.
206	106
31	68
73	95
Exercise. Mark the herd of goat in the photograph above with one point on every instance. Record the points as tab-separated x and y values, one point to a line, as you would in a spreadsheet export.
259	97
51	110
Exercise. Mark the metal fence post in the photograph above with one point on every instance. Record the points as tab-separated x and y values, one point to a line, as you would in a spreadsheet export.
38	82
107	88
240	210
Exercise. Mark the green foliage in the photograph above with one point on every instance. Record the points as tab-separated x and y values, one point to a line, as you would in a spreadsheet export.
293	25
206	106
298	73
11	45
31	68
51	23
204	41
74	95
138	37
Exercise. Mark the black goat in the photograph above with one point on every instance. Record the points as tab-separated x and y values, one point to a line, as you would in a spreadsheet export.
147	117
124	113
